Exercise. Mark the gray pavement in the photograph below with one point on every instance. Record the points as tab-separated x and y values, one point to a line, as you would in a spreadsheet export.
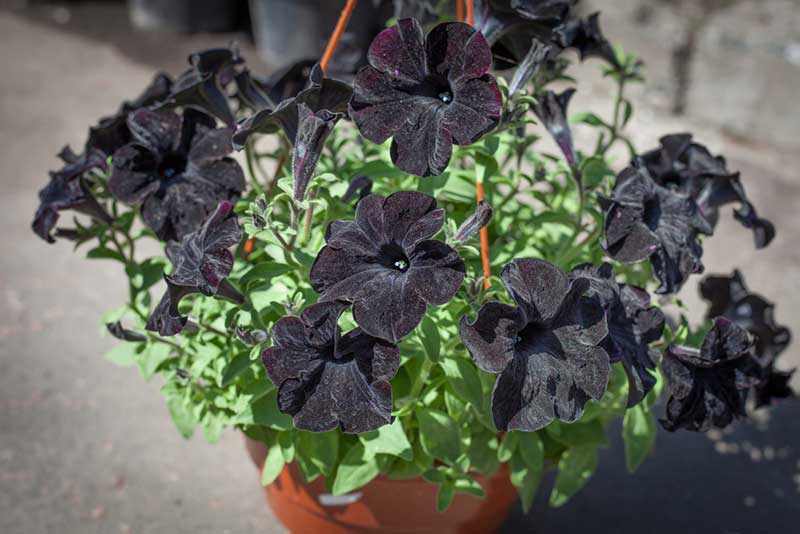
88	447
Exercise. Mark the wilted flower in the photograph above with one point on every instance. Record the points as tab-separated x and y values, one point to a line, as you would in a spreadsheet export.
321	94
729	296
251	337
529	66
200	263
585	36
632	325
427	94
473	224
551	108
386	265
202	85
645	220
546	349
708	387
691	169
326	379
176	168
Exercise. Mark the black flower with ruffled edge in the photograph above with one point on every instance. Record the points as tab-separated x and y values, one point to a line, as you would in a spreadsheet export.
201	262
177	168
585	36
551	108
66	189
326	379
547	350
386	264
632	325
202	86
321	94
645	220
708	387
426	93
690	168
509	26
729	296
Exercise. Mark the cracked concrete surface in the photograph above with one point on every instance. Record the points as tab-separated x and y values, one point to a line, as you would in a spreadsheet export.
88	447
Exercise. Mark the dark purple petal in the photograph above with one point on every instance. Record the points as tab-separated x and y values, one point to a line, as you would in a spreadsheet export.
165	318
423	147
409	216
134	174
196	89
491	337
456	50
360	186
400	52
159	131
538	287
211	145
529	66
436	272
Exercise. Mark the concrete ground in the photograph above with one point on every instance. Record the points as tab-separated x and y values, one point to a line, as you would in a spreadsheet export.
88	447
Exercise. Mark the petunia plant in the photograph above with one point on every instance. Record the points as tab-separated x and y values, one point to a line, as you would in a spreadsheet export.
395	275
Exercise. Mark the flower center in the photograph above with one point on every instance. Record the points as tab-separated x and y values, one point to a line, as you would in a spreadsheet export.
446	96
435	86
394	257
537	338
652	213
172	165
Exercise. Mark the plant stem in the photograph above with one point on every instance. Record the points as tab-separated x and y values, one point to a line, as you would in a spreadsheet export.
460	10
484	236
337	34
470	12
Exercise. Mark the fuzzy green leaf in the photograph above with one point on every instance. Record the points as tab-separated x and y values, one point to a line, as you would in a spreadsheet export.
574	469
639	433
356	469
439	435
463	376
388	439
429	335
273	465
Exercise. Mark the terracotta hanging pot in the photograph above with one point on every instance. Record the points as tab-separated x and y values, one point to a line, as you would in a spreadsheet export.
384	505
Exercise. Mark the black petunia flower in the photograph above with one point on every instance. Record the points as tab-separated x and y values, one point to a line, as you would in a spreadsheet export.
202	86
67	189
729	296
509	26
708	387
547	350
690	168
177	168
326	379
632	325
386	264
321	94
645	220
585	36
200	263
426	93
551	108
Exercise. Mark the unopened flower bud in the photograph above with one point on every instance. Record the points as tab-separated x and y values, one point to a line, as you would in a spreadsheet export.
472	225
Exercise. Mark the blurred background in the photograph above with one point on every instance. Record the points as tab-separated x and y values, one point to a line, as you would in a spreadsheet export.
88	447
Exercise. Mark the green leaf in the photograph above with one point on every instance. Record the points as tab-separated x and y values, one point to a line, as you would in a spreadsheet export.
467	484
273	465
151	270
531	450
589	118
235	367
439	435
356	469
286	442
264	272
388	439
574	469
124	354
103	253
445	496
429	335
463	376
320	448
181	415
508	446
526	479
482	453
264	412
151	357
575	434
639	433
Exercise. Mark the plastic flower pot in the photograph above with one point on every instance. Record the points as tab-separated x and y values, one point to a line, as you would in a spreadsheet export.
384	505
185	16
